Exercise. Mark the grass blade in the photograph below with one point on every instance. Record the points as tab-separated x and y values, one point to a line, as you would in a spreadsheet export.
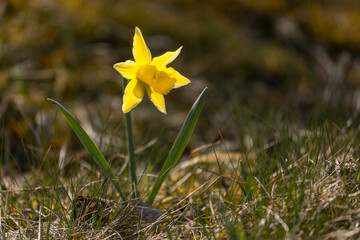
179	144
90	146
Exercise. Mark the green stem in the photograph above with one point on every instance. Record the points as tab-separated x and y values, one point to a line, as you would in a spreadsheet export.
132	165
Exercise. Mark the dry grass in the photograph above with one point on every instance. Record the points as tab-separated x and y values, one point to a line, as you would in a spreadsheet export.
275	154
302	186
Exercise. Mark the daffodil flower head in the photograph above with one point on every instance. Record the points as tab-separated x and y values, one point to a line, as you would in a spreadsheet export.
150	74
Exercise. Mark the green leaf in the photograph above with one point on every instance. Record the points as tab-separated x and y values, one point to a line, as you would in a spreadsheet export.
90	146
179	144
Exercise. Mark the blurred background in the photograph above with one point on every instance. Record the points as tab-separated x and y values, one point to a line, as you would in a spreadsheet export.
279	60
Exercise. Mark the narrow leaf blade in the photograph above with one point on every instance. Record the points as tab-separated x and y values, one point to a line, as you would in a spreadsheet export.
90	146
179	145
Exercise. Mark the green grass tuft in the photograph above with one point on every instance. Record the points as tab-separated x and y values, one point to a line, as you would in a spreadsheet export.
288	182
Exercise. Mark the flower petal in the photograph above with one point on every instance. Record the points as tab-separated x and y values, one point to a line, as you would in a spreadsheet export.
163	82
134	93
157	99
141	52
180	79
127	69
166	58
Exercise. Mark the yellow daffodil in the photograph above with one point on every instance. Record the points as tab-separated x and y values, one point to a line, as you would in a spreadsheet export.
150	74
